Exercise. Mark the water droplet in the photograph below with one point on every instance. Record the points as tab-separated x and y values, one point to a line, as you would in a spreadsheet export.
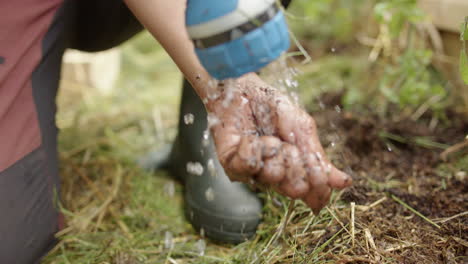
168	240
321	105
189	118
337	108
244	101
206	138
389	148
277	202
291	83
319	158
252	162
200	246
243	228
194	168
211	167
212	83
169	188
254	257
212	119
209	194
213	96
317	170
230	87
295	97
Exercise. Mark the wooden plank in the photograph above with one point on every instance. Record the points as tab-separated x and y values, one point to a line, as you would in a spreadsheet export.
446	14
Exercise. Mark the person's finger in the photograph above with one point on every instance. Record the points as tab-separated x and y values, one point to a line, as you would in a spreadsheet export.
227	143
318	172
309	144
271	146
294	184
339	179
317	198
320	165
286	119
273	170
248	158
229	130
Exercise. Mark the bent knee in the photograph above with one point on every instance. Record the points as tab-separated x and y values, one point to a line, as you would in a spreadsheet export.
29	218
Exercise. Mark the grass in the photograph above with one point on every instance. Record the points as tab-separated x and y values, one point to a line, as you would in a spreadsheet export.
117	213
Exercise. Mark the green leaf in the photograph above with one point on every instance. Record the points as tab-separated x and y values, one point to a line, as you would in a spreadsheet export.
464	66
464	30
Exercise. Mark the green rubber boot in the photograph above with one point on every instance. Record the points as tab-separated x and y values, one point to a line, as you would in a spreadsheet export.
221	210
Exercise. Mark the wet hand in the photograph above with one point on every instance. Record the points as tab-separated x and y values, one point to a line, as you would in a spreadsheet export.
262	136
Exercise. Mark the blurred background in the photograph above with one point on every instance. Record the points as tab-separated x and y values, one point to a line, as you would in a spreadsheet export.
386	81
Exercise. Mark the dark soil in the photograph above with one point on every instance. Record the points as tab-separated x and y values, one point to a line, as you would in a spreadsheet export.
402	167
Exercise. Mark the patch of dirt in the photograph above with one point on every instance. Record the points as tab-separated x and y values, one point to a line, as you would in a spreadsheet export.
388	159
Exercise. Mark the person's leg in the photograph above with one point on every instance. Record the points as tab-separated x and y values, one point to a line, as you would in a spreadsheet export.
30	186
29	218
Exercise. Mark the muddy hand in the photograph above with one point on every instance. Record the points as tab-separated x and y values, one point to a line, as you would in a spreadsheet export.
261	135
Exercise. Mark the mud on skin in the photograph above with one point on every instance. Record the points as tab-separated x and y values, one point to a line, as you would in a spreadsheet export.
262	136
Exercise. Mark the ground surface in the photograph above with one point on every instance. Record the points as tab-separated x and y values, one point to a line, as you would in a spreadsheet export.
410	205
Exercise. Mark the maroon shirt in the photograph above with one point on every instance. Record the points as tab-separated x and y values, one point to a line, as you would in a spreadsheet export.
23	25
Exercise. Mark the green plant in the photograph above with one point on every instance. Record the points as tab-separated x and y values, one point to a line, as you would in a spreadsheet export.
463	55
396	14
408	78
324	19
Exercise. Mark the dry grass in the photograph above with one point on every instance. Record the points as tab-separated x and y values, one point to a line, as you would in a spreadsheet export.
405	206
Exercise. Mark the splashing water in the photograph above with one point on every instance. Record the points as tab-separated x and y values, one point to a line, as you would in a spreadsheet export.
243	228
209	194
169	188
212	119
284	78
338	109
389	148
211	168
194	168
168	240
191	215
230	87
189	118
244	101
292	83
206	138
200	247
295	97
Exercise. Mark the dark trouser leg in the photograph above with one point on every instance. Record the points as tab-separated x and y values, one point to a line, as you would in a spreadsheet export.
29	189
29	218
